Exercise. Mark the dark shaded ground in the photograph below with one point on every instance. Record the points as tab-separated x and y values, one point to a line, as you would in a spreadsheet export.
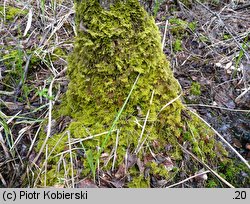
208	64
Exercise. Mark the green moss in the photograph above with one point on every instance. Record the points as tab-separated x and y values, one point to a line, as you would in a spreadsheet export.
192	26
226	37
157	5
195	89
14	62
139	182
13	58
11	12
204	39
177	45
235	173
211	184
163	18
178	27
113	47
158	170
58	53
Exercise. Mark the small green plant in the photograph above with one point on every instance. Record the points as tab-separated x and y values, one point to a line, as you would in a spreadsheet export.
157	6
216	2
11	12
58	53
44	93
139	182
204	38
178	22
245	44
8	137
192	26
7	131
13	61
90	159
42	6
163	18
211	184
195	89
226	36
177	45
179	27
26	91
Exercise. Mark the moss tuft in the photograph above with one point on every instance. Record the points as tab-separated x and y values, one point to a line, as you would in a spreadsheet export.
177	45
195	89
11	12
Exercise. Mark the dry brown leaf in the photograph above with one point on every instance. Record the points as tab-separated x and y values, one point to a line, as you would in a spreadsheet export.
86	183
237	143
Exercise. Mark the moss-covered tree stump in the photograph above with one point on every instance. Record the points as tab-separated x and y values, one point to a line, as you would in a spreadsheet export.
123	102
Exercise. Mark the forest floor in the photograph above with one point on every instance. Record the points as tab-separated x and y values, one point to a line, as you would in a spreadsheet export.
206	43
